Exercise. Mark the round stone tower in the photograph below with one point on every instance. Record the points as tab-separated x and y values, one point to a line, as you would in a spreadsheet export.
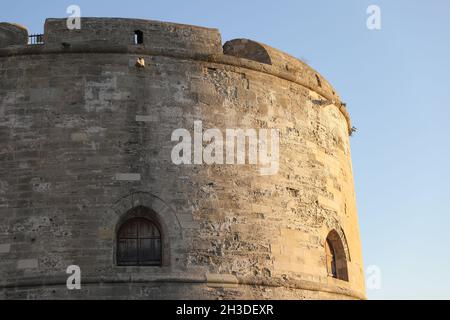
90	123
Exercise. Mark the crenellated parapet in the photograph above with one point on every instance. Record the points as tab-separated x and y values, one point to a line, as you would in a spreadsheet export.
122	32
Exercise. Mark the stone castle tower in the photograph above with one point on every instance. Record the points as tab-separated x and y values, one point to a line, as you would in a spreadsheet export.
86	176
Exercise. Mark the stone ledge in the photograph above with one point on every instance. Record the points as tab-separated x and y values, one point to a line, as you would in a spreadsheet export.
215	280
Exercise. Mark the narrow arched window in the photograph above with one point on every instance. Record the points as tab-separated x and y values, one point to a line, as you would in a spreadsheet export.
331	259
139	243
336	259
138	37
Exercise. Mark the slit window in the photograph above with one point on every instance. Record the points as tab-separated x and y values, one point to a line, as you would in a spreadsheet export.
138	37
319	83
331	259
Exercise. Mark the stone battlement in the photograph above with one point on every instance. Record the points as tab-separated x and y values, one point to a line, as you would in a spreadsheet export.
147	37
155	34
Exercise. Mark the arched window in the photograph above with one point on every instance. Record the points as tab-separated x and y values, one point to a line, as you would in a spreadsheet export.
331	259
336	259
139	243
138	37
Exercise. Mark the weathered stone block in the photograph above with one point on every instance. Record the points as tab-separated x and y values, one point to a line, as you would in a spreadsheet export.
27	264
12	35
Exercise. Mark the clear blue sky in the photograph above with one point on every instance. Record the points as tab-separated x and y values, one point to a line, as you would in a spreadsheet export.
396	83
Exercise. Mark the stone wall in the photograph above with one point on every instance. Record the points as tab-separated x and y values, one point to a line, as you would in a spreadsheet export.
157	35
85	136
12	34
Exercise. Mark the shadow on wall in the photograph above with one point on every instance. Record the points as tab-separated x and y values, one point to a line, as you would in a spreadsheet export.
247	49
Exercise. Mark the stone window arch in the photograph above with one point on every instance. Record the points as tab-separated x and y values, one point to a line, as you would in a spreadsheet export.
146	205
139	240
336	260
